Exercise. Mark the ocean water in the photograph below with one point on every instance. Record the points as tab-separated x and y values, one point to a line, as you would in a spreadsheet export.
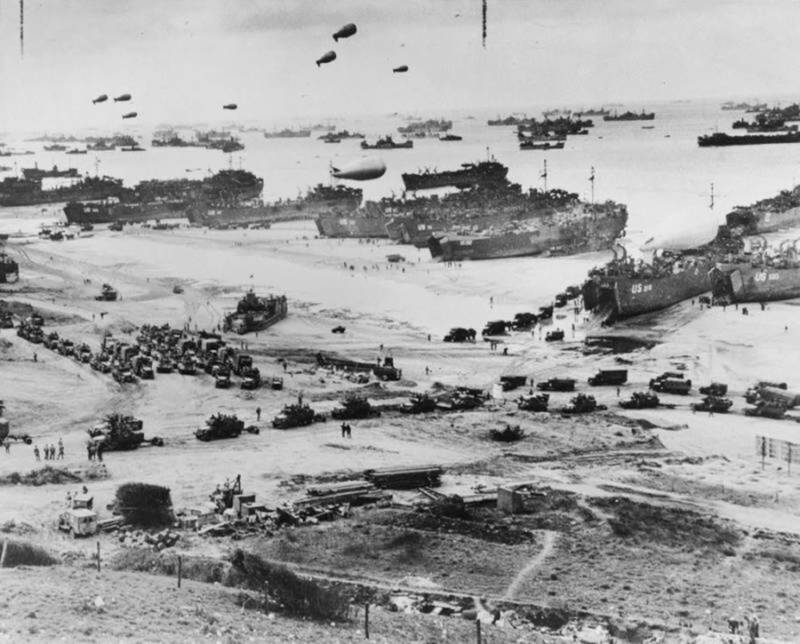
660	174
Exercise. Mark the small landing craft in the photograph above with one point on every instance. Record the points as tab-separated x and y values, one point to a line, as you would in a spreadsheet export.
328	57
345	32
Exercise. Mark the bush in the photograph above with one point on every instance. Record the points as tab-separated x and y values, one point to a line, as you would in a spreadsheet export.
22	553
297	595
142	504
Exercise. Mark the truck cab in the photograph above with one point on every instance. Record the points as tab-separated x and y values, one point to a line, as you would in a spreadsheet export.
80	520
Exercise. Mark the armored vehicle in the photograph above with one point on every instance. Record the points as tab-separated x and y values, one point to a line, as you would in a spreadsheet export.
640	400
582	404
557	384
220	426
297	414
354	407
536	402
713	404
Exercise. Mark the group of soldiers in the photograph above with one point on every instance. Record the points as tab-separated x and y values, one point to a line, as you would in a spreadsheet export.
94	451
50	453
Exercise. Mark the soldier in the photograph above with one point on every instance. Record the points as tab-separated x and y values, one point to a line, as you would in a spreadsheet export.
344	430
99	451
7	445
258	413
36	453
60	450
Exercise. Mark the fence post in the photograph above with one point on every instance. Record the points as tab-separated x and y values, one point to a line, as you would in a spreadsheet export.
3	554
478	631
789	459
180	570
98	556
366	620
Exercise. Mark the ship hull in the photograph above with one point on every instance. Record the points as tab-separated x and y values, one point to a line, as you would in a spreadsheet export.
352	225
746	283
720	140
584	235
623	297
764	221
101	213
456	179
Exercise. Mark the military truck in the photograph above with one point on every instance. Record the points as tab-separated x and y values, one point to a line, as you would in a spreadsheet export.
714	389
614	377
354	408
220	426
561	300
387	370
251	378
165	364
276	383
495	327
554	336
536	402
79	519
460	334
65	347
297	414
716	404
671	385
83	353
51	340
107	294
509	383
186	365
641	400
122	372
524	321
557	384
143	367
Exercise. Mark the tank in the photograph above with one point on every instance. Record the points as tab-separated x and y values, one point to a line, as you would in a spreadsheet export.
119	432
419	404
641	400
297	414
713	404
353	408
582	404
536	402
220	426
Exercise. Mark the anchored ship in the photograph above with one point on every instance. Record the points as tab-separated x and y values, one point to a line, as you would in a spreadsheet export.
386	143
758	277
722	139
288	134
54	172
624	288
470	174
630	116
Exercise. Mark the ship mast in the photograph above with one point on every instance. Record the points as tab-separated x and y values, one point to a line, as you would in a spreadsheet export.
711	202
543	175
591	181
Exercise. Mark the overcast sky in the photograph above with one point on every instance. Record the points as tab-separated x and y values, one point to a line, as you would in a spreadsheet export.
182	59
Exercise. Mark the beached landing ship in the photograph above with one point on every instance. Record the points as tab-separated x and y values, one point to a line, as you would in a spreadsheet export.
721	139
624	288
759	277
319	201
576	229
470	174
766	215
255	313
29	192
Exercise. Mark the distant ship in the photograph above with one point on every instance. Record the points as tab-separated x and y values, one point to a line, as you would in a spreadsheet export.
758	278
630	116
580	228
386	143
172	140
287	134
470	174
29	192
766	215
592	112
341	134
624	288
421	129
534	144
747	107
55	148
451	137
37	173
722	139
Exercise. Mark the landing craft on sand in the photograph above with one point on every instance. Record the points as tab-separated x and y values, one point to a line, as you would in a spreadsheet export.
100	99
400	69
361	170
122	98
130	115
328	57
230	106
345	32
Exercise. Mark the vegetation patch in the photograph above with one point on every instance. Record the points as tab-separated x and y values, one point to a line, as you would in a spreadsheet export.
21	553
145	505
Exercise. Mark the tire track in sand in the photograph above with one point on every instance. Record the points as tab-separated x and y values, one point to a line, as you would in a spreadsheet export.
533	564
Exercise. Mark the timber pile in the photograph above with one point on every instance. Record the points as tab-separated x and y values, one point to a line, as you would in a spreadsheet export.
405	478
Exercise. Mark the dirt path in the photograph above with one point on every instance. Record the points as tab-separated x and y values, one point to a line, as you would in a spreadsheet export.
533	564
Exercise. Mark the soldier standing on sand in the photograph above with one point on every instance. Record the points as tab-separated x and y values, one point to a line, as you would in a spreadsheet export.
36	453
258	413
7	445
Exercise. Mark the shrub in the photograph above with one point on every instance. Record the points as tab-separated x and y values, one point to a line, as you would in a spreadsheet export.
143	504
22	553
297	595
